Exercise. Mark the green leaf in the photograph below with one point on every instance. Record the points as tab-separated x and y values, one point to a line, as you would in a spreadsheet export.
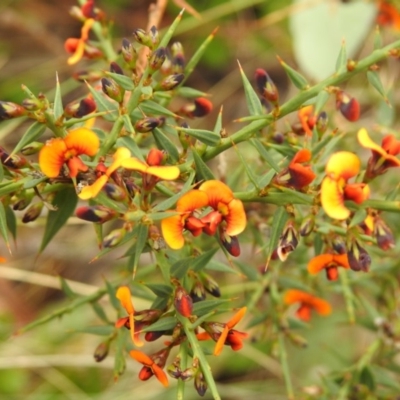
100	330
99	310
11	221
3	224
168	35
160	289
204	307
153	108
34	132
127	125
252	99
65	200
58	108
377	38
181	267
111	295
265	154
367	379
297	79
214	265
161	215
66	288
385	377
165	143
320	101
127	141
163	324
119	358
124	81
142	235
248	270
375	80
359	216
341	61
248	169
103	104
278	223
207	137
188	92
202	170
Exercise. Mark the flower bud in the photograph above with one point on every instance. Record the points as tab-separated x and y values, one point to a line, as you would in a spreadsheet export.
183	302
22	200
197	293
114	192
174	371
358	257
171	81
32	104
210	285
155	157
115	68
287	242
14	162
154	37
339	245
307	226
145	373
200	108
266	86
231	243
188	374
129	53
383	234
348	106
322	122
112	89
10	110
32	213
114	238
148	124
151	336
157	59
98	214
200	383
101	351
78	109
178	57
31	148
142	37
88	76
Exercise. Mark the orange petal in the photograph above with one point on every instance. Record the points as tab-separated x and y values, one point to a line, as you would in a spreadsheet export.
80	50
321	306
217	192
192	200
89	192
343	164
75	164
121	322
2	260
160	374
86	28
221	341
342	260
142	358
301	156
83	141
300	175
172	230
134	164
52	157
298	296
357	192
332	199
124	296
166	173
236	318
203	336
236	218
318	263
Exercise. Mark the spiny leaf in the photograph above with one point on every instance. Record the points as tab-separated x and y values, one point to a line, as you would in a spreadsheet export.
253	101
202	170
165	143
3	225
375	81
58	106
33	133
278	223
207	137
341	62
124	81
297	79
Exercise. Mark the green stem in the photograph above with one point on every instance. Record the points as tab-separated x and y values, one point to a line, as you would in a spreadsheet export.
348	295
285	366
198	353
260	122
259	290
111	138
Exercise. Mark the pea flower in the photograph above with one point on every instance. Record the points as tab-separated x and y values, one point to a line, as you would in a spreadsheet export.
388	14
328	262
150	366
60	151
383	157
307	119
124	296
342	166
307	302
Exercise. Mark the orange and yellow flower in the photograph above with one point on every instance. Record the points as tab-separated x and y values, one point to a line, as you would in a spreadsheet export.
58	152
124	296
328	262
307	119
383	157
388	14
335	190
214	194
150	367
308	302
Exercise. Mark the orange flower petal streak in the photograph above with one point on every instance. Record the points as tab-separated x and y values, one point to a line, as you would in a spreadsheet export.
298	296
172	230
82	141
141	357
217	192
342	164
301	156
51	157
332	199
160	374
236	219
80	48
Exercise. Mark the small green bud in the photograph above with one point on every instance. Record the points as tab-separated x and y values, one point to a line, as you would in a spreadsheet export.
32	213
114	238
112	89
10	110
32	148
157	59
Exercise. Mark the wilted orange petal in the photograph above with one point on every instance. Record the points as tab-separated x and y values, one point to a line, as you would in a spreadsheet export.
236	318
160	374
332	199
89	192
121	322
83	141
300	175
217	192
321	306
141	357
236	218
301	156
124	296
366	142
52	157
86	28
166	173
192	200
172	230
343	164
203	336
341	259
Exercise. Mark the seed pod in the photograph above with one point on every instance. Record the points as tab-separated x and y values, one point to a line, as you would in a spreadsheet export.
183	302
98	214
10	110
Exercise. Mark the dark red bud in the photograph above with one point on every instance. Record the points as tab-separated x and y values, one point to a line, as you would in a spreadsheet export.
145	373
183	302
32	213
101	351
231	244
197	293
10	110
358	257
148	124
155	157
115	68
348	106
114	192
81	108
200	383
98	214
266	86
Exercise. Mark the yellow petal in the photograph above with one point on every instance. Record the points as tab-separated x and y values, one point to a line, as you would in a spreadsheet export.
236	218
89	192
124	296
83	141
343	164
172	230
134	164
52	157
166	173
366	142
217	192
332	199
